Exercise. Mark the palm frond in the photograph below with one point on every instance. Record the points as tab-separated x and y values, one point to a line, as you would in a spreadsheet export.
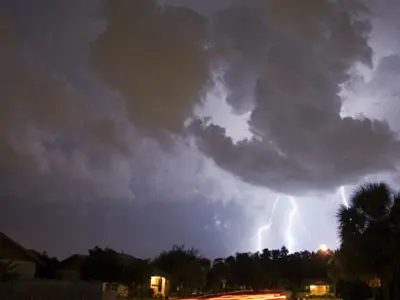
374	199
351	223
395	211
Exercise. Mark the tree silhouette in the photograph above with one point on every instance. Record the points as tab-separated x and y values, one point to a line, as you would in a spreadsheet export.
49	267
102	265
218	276
187	268
369	231
136	276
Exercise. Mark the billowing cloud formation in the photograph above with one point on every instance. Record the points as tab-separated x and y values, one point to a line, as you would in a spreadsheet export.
378	95
287	66
302	60
51	138
90	90
284	62
158	58
376	92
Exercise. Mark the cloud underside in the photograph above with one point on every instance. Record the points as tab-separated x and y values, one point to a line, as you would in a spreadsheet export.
285	62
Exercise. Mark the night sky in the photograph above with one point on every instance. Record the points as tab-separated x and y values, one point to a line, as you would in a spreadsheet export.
227	125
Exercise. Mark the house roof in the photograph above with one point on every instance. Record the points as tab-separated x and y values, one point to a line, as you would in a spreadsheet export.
27	254
73	262
37	254
157	272
317	281
127	259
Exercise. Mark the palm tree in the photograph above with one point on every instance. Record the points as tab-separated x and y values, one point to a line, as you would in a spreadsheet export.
369	229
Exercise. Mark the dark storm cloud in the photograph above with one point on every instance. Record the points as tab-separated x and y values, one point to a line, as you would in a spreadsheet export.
302	58
86	86
51	137
157	58
69	162
203	7
284	61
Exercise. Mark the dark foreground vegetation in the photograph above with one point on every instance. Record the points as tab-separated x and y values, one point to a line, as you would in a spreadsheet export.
366	265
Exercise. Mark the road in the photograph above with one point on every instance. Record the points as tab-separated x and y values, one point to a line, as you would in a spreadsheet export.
263	296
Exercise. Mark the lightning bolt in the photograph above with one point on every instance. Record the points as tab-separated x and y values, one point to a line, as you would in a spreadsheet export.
344	200
267	226
289	236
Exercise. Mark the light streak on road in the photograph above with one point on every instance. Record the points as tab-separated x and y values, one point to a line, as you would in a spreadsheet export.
289	234
344	200
266	227
266	296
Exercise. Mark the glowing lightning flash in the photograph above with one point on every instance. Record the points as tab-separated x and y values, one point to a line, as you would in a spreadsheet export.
289	236
267	226
344	200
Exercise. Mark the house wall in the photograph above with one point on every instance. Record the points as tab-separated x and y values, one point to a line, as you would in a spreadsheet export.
159	285
69	275
109	295
25	264
70	268
24	269
319	290
120	290
9	250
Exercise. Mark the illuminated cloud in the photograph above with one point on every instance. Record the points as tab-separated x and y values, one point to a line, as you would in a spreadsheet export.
302	62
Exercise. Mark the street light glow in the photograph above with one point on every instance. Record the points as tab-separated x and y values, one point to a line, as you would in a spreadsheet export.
323	248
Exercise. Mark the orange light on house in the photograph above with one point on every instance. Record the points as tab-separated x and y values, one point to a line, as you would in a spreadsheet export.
318	290
158	285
